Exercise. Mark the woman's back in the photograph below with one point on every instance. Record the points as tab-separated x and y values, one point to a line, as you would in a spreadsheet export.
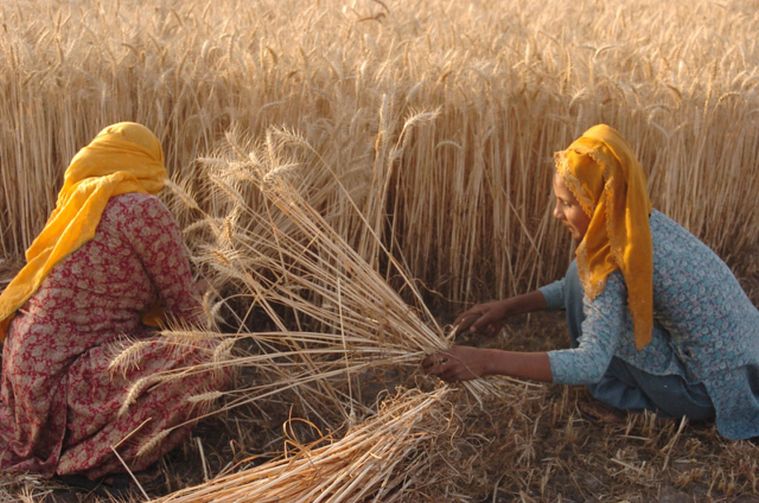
102	286
698	300
58	396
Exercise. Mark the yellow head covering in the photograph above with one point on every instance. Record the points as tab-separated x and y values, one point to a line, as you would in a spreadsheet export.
124	157
602	172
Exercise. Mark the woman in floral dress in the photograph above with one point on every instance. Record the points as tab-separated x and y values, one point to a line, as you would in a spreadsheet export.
109	255
656	320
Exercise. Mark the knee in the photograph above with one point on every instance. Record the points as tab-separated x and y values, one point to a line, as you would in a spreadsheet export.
701	414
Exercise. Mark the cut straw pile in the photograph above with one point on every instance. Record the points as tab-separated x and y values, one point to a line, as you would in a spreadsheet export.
380	459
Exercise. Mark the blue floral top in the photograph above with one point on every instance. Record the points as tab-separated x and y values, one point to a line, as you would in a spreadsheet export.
706	330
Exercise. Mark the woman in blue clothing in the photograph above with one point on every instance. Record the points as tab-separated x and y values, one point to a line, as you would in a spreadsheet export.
656	320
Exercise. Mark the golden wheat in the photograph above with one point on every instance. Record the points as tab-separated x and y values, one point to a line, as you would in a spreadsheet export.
462	195
370	461
394	143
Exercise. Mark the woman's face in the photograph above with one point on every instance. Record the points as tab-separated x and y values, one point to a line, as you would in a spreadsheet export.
568	211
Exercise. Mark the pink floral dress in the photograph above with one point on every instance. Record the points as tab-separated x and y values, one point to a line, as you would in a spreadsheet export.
59	400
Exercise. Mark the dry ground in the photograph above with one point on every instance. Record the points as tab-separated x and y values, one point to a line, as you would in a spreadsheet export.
551	446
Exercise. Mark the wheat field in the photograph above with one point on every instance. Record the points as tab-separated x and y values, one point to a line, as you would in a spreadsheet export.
416	139
464	191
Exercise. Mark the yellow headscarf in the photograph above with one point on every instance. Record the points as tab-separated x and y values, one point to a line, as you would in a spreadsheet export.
604	175
124	157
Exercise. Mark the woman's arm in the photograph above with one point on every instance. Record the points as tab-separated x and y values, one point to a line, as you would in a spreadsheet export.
606	323
465	362
156	238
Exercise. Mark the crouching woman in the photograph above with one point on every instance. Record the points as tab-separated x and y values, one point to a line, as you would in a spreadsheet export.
656	320
109	259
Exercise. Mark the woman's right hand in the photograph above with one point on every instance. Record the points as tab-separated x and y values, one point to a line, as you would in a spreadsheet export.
487	318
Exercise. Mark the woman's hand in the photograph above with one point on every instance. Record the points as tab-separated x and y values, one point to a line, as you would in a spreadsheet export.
487	318
460	363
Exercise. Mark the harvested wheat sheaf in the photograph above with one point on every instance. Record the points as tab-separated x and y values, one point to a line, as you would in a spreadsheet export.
337	319
379	459
336	316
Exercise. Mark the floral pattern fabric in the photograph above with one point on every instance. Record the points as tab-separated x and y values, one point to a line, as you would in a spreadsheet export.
60	400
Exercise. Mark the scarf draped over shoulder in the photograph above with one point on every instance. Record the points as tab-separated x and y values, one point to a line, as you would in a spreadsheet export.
602	172
124	157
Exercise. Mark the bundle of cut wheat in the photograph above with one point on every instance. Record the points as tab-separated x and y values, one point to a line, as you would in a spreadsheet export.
386	458
336	316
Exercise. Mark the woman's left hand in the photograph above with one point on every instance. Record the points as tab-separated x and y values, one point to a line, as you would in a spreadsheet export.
460	363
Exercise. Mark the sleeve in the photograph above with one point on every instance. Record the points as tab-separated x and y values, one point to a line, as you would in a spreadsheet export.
554	295
157	240
605	321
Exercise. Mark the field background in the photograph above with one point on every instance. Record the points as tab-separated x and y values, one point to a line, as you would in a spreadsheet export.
438	119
